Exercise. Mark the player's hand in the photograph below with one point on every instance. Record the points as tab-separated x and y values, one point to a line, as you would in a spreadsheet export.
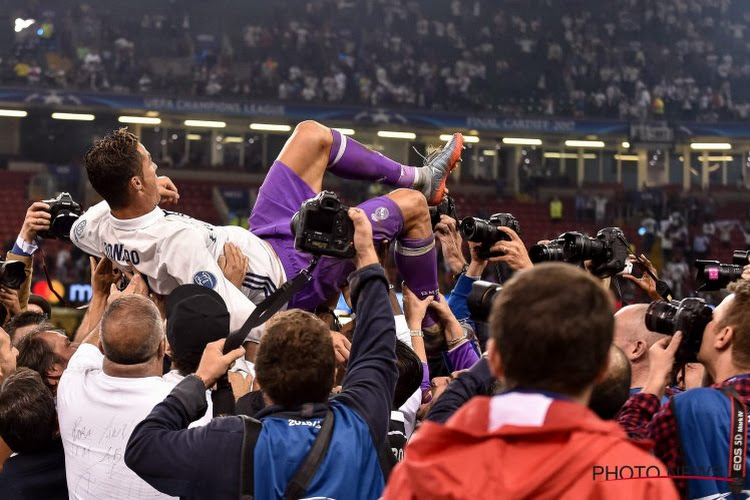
167	190
233	264
103	275
450	241
366	254
341	346
214	363
37	219
9	300
137	286
414	307
515	253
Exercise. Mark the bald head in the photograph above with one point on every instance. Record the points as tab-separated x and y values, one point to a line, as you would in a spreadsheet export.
630	327
131	330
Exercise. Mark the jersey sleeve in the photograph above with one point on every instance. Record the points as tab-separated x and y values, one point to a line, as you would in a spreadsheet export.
83	231
187	262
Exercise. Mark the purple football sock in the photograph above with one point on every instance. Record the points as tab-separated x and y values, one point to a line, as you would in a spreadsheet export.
351	160
416	260
462	357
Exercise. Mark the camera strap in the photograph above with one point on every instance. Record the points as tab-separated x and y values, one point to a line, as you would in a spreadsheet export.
297	486
270	306
737	441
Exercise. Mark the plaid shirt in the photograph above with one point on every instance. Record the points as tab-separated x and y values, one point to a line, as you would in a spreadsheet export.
643	419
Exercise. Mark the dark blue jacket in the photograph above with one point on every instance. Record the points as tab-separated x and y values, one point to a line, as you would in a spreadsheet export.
204	462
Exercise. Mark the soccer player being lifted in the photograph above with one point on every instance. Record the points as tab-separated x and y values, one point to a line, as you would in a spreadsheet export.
171	249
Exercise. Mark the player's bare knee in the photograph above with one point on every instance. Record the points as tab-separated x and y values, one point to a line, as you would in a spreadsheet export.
315	134
413	206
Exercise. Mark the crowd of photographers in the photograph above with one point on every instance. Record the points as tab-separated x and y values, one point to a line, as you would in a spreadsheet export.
531	384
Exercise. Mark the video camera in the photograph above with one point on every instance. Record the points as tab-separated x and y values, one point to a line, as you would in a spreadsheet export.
64	212
713	275
445	207
690	316
486	232
323	227
608	252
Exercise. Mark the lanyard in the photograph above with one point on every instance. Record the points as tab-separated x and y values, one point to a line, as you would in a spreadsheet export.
737	441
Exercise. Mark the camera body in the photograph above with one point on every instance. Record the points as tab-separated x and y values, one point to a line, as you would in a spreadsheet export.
64	211
323	227
713	275
690	316
486	232
445	207
12	274
480	299
608	252
548	252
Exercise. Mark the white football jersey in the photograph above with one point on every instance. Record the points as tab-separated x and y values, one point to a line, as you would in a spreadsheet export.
173	249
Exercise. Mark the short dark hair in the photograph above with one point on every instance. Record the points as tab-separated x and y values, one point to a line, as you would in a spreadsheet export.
296	362
611	393
111	162
37	354
185	362
26	318
738	317
131	330
28	419
410	373
552	325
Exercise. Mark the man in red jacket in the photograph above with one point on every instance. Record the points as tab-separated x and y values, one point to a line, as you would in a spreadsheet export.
551	329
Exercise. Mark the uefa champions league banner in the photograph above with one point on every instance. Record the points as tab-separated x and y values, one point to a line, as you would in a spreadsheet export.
376	116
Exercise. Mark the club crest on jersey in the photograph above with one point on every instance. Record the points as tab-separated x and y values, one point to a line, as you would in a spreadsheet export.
78	232
206	279
380	214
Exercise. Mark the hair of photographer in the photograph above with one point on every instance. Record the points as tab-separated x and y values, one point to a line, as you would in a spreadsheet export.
552	327
611	393
295	362
132	338
23	324
635	340
725	348
28	419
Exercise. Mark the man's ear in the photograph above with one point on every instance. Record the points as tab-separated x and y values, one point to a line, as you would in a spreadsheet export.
493	358
136	183
724	338
637	350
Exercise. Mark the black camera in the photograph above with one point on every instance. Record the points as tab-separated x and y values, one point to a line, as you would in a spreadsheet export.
64	212
487	233
323	227
12	274
608	252
480	299
713	275
548	252
445	207
690	316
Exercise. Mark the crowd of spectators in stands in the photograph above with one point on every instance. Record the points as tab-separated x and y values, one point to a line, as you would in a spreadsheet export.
633	59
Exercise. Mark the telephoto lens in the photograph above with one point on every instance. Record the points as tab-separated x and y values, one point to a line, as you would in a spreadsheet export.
712	275
548	252
479	230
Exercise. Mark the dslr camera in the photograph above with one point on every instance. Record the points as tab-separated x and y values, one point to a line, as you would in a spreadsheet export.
548	252
323	227
690	316
608	252
445	207
12	274
64	212
480	299
713	275
486	232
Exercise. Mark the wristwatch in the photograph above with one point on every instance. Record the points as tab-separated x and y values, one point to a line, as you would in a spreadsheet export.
462	271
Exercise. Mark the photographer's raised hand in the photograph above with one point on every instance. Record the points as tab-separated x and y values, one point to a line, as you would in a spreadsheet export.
363	244
446	232
214	363
515	253
645	282
661	362
9	300
167	190
37	219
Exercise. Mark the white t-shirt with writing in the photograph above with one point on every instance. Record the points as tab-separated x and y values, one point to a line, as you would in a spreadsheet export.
97	414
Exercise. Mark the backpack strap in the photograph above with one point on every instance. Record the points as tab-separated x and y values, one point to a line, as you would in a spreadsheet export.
297	486
247	470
